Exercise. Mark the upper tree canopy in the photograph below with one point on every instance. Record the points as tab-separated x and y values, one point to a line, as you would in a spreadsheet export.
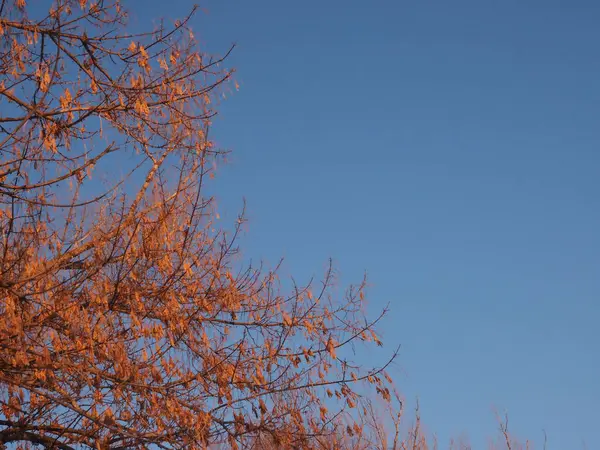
124	322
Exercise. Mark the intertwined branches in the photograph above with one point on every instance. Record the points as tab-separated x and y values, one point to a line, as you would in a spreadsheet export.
126	322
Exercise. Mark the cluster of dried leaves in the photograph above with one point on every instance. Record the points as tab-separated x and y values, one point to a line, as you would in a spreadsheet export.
125	319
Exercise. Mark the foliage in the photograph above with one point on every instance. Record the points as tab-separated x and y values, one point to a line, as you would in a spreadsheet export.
385	426
126	321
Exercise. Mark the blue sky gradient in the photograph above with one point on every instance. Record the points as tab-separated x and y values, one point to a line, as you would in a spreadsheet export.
451	150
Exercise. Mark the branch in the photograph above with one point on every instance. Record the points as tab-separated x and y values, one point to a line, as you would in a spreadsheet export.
14	435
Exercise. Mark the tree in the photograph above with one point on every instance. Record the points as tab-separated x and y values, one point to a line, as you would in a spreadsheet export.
126	321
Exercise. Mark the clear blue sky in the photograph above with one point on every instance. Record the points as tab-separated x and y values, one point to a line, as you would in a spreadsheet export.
451	150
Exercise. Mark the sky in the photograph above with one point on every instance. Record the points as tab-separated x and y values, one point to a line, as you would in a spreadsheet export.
451	151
